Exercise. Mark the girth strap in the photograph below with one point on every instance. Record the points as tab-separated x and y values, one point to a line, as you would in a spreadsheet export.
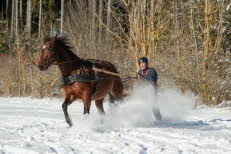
76	78
80	78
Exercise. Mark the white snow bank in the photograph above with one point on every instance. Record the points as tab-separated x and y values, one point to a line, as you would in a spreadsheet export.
38	126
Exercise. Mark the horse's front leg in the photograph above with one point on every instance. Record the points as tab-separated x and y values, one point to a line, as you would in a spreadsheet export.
64	106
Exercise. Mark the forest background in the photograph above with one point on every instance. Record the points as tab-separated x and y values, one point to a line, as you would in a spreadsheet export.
187	41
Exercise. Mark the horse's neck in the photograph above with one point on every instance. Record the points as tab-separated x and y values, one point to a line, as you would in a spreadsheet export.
67	64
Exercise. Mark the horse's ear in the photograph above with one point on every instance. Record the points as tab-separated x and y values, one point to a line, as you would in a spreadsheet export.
44	39
55	37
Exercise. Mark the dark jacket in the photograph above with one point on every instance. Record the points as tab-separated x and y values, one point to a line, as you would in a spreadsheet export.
149	74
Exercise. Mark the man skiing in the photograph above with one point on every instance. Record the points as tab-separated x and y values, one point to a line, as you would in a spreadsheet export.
149	74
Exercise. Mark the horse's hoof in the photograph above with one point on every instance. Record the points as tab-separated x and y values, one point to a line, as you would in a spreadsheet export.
69	126
69	123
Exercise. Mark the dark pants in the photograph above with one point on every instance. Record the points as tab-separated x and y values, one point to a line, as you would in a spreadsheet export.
155	109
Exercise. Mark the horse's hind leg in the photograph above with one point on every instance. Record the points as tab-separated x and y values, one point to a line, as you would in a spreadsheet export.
64	107
99	106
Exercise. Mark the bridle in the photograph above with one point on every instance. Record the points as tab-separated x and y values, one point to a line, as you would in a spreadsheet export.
52	52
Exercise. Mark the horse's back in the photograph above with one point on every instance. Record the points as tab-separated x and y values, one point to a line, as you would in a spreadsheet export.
103	64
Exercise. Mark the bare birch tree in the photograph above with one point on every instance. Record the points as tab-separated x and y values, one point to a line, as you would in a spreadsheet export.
206	48
28	19
17	23
40	19
12	20
108	18
94	4
62	16
7	15
101	18
20	16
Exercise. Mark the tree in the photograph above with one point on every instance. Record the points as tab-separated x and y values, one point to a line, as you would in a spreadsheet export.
28	19
12	20
20	17
108	18
17	24
101	18
40	18
7	16
62	16
94	4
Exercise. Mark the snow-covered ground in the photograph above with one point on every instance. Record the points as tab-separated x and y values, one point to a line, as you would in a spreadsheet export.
37	126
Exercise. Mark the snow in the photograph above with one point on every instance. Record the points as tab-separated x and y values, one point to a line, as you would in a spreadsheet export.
37	126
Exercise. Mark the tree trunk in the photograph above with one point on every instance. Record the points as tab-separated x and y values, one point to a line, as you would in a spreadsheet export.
20	17
151	46
7	22
206	49
133	31
28	20
108	18
2	12
93	35
101	18
16	24
143	27
93	20
219	28
90	5
12	20
177	27
40	19
62	16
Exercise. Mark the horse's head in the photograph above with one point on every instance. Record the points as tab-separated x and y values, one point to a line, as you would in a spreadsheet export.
47	53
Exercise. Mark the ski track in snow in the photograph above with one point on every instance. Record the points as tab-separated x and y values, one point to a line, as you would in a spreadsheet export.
37	126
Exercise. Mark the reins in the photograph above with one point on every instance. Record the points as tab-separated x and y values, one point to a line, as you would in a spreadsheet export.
125	77
122	76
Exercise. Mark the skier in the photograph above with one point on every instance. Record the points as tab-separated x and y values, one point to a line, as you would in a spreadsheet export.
149	74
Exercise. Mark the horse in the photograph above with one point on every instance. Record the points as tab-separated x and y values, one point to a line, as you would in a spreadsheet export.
79	79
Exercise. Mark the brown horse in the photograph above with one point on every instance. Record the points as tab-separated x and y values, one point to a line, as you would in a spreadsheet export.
79	80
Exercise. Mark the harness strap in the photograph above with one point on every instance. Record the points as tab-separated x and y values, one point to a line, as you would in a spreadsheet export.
96	85
80	78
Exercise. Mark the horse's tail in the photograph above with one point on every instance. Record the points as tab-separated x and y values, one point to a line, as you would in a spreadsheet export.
117	91
111	98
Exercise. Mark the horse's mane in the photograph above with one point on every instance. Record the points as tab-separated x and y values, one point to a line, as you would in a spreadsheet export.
64	42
